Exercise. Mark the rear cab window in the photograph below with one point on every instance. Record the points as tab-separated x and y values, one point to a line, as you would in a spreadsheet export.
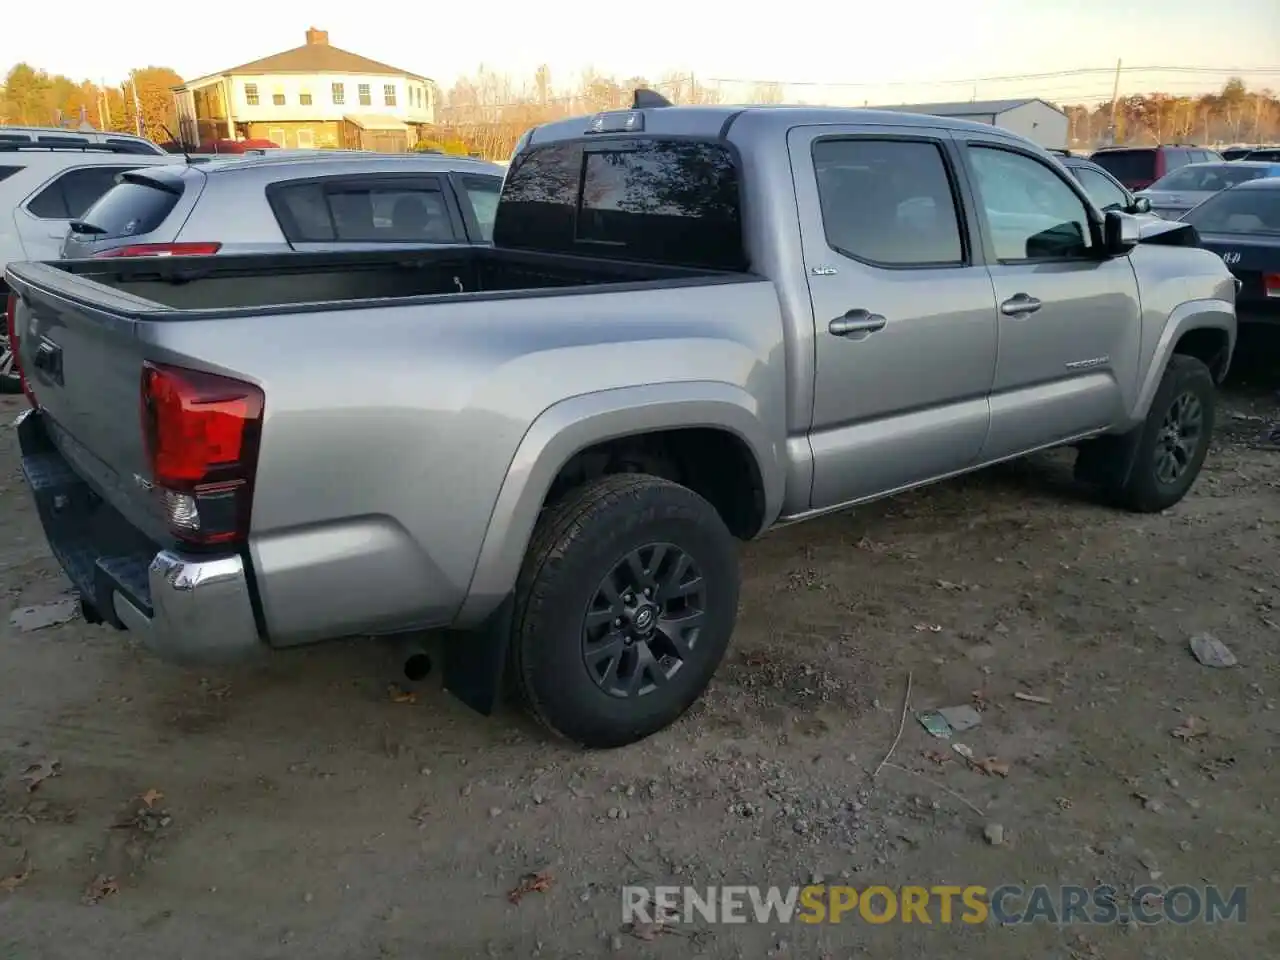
135	206
1128	166
649	199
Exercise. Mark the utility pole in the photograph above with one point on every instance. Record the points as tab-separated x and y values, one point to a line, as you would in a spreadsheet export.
137	106
1113	130
1257	118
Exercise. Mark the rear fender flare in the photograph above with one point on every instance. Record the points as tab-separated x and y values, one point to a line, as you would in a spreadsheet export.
572	425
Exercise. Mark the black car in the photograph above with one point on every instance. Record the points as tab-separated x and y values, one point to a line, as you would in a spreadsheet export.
1242	225
1266	153
1106	192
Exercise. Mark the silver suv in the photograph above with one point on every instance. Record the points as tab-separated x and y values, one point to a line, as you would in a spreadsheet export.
271	204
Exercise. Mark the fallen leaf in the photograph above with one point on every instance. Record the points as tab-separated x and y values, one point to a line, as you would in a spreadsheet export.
1064	803
979	698
948	585
1190	728
13	882
963	750
400	695
39	772
1030	698
757	659
937	756
992	767
532	883
100	887
151	797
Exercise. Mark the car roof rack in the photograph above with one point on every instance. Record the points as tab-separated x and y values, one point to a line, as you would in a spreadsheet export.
13	145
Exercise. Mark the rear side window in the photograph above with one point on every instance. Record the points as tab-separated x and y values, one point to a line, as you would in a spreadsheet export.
1128	165
1208	178
482	194
887	202
1176	158
659	201
130	209
74	192
349	211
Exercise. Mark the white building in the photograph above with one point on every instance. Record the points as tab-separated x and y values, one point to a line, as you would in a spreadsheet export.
1037	120
315	95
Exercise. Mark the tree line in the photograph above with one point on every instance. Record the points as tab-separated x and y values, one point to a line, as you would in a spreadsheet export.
486	112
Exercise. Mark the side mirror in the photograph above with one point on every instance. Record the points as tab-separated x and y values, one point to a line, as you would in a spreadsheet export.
1140	205
1120	233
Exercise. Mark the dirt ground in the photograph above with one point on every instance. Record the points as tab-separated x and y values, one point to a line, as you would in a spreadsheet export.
305	813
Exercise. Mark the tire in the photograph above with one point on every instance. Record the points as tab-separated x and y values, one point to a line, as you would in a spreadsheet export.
1145	489
564	618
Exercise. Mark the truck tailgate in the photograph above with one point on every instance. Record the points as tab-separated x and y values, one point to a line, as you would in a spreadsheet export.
83	364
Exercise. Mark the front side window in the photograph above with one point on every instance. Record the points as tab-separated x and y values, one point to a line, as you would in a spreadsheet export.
888	202
1032	213
1105	193
365	98
251	94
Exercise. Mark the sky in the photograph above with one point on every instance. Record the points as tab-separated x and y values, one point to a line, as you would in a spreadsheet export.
825	50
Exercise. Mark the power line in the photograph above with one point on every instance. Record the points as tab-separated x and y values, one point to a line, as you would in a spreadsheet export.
1080	72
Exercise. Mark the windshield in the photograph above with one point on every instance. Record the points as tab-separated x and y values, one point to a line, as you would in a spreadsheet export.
1208	177
1238	211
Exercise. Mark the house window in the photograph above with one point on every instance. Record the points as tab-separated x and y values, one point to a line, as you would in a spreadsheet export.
278	99
251	94
339	93
389	94
304	99
365	99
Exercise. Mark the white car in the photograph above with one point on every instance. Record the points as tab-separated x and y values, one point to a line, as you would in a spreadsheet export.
43	187
1177	192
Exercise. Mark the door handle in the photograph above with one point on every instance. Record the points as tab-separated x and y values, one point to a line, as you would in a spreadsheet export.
856	321
1019	304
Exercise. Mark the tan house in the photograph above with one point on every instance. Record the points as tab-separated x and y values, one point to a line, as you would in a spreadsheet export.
316	95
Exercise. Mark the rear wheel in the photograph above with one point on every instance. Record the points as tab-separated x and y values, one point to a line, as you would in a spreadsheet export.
624	608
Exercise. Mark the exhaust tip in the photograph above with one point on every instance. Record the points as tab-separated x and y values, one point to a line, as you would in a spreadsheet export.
417	666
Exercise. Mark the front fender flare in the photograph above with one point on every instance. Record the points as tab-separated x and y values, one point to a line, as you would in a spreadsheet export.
1192	315
572	425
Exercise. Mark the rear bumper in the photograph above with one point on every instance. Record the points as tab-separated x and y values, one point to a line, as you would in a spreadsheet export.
186	607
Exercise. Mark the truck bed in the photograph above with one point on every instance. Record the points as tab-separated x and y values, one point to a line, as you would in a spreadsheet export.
335	280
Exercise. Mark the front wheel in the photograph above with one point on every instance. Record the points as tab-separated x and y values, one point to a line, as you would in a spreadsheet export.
624	608
1173	442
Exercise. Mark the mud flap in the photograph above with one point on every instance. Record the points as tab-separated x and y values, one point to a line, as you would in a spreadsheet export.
1107	461
474	659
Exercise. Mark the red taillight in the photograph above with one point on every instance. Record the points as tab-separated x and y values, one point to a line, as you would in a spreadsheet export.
11	327
202	433
162	250
1271	284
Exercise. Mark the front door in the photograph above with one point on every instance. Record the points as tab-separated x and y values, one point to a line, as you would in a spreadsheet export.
1069	317
904	315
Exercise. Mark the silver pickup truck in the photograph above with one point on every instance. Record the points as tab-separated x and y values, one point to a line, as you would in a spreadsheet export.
696	324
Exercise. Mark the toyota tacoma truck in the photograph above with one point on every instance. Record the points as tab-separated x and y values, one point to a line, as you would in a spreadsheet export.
695	324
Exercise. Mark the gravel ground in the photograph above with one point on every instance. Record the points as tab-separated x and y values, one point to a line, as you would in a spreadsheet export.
298	809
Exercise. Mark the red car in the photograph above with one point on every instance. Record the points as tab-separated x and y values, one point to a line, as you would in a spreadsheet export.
1139	167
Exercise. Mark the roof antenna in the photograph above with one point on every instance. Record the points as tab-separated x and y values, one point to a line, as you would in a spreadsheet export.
644	97
181	146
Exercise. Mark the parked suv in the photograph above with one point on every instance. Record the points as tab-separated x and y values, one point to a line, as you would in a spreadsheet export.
274	204
62	137
1139	167
44	186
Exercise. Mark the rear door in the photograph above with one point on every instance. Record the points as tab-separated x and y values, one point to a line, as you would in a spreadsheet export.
904	315
368	211
1069	317
42	220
